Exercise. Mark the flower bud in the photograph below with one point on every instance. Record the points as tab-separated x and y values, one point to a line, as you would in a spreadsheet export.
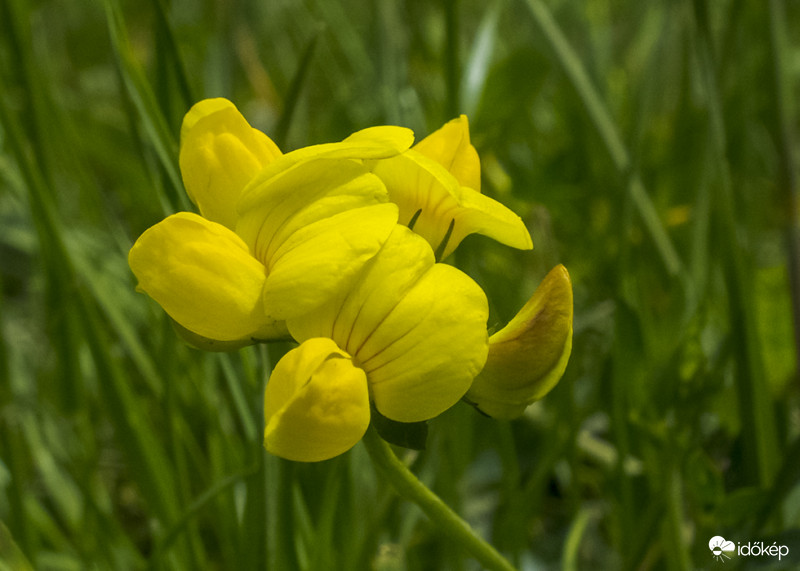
316	403
529	355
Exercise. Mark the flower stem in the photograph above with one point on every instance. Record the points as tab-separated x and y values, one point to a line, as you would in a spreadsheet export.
409	486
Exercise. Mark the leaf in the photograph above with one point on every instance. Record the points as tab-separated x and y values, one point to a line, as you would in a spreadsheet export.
11	557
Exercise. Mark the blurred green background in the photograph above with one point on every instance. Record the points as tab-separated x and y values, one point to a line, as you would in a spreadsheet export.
650	146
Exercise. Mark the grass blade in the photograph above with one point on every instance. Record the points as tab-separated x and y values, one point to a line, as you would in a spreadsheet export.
603	122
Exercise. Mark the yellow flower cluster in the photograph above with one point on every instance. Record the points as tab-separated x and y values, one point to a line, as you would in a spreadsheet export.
338	246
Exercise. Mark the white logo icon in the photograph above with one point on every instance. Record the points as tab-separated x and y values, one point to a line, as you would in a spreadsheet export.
718	546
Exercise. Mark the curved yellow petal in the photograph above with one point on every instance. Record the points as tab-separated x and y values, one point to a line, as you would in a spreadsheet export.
273	209
528	356
220	153
323	258
316	404
480	214
203	276
417	328
422	358
450	147
385	279
372	143
314	226
438	208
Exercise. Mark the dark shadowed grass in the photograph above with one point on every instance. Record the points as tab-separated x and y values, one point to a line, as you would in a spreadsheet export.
650	147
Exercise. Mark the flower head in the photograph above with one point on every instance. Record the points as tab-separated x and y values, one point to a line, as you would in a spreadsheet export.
337	246
529	355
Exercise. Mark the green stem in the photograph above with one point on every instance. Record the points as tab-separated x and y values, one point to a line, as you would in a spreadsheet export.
409	486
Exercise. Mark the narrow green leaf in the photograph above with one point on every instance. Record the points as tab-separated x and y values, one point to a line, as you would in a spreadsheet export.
480	59
295	89
138	88
606	128
11	557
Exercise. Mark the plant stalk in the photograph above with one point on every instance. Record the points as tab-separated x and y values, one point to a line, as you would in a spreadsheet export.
409	487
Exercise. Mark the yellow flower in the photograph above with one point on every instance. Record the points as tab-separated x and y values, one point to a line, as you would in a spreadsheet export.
279	233
528	357
436	185
417	330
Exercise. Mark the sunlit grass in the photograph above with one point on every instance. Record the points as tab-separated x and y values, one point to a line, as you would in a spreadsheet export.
651	147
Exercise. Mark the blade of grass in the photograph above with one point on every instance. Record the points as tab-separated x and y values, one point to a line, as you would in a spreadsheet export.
295	88
758	427
29	155
324	553
201	502
105	298
606	128
131	420
678	554
11	556
787	142
452	66
244	415
569	559
480	59
141	94
171	53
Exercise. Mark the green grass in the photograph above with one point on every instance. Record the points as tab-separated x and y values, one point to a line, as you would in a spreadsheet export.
650	147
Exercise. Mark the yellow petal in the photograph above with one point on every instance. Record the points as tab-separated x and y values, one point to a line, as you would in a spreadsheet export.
372	143
203	276
439	209
386	278
451	148
314	226
417	328
423	357
528	357
220	154
480	214
316	404
273	209
321	259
